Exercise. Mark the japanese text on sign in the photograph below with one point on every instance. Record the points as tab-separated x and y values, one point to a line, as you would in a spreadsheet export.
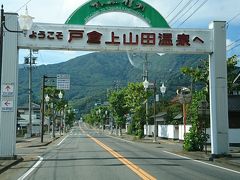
94	37
63	81
73	37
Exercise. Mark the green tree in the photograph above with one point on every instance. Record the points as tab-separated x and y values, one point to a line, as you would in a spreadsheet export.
91	118
118	107
70	117
195	139
232	73
200	74
101	115
135	99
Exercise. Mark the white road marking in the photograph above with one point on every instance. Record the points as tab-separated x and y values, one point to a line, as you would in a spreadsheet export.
203	162
121	139
32	169
62	141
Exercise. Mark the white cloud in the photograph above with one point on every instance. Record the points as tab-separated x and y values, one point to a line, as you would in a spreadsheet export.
109	19
57	11
228	43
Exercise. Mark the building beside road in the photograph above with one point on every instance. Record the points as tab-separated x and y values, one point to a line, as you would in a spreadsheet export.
23	119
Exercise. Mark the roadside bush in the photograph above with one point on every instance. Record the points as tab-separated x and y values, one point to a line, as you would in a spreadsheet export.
195	139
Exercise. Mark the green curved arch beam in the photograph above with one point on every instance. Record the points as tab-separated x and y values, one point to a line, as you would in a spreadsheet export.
137	8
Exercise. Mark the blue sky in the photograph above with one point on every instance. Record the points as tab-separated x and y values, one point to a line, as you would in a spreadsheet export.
57	11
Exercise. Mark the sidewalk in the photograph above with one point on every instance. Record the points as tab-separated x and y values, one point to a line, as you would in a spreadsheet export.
6	163
36	141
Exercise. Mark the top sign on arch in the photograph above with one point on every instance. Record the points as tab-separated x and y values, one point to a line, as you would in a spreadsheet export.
137	8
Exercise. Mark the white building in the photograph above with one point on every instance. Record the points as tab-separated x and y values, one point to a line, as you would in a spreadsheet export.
23	118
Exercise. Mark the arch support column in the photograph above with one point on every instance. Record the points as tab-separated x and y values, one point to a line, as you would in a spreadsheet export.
218	91
8	111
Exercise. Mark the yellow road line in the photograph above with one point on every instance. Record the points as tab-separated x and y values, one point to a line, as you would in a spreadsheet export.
140	172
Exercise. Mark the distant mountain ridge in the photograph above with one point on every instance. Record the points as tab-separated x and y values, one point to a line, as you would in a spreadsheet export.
92	75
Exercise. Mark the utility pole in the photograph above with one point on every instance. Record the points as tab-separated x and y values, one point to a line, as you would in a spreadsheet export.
145	67
42	107
145	77
53	120
30	94
30	60
155	121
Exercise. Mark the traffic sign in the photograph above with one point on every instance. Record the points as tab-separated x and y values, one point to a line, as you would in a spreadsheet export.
63	81
7	89
7	105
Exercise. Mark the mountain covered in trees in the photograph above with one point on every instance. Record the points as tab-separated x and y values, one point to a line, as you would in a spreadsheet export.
95	74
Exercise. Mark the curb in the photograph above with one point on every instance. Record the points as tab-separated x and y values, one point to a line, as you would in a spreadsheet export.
9	164
227	161
44	144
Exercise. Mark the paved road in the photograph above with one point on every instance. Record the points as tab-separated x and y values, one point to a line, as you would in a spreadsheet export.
87	154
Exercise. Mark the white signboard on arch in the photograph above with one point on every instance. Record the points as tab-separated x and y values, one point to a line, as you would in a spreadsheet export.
100	38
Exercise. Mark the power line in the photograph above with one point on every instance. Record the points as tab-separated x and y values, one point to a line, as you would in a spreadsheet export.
193	13
234	17
234	47
21	7
179	12
186	11
174	9
24	5
233	42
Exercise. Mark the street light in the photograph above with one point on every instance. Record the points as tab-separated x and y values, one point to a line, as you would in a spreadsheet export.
25	23
163	88
60	96
106	118
31	61
47	99
146	85
64	117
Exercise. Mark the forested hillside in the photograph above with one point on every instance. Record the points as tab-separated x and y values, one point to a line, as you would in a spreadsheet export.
92	75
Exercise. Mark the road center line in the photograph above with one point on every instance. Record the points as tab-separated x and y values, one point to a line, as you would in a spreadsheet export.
203	162
32	169
61	141
140	172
